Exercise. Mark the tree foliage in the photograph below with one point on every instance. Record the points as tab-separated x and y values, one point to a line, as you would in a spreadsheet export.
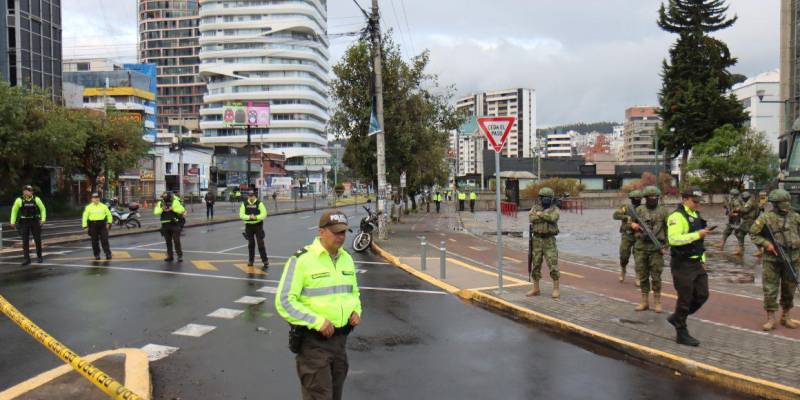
417	116
693	97
731	157
580	127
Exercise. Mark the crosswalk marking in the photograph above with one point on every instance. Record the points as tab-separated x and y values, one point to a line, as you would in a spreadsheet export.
121	254
225	313
250	270
251	300
157	256
204	265
194	330
156	352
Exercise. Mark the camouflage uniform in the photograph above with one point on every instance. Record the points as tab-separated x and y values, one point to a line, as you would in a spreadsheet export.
626	233
545	229
776	277
748	212
648	257
732	207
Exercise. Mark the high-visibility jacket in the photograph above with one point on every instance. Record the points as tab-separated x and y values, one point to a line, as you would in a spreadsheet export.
462	196
249	208
437	197
172	216
96	212
28	208
315	288
680	232
473	196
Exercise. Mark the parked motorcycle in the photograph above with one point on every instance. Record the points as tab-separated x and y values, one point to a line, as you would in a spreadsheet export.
366	228
129	219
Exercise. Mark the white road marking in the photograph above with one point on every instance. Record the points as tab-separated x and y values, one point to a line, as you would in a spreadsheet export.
250	300
194	330
268	289
305	217
149	244
313	227
361	271
156	352
225	313
231	249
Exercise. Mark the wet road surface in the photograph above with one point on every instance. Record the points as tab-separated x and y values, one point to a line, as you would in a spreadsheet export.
415	341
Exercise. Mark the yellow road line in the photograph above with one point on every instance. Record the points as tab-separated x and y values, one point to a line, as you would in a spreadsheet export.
511	259
250	270
121	254
157	256
498	287
204	265
571	274
483	271
452	240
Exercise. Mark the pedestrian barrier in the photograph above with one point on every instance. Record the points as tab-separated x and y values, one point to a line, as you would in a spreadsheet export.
572	205
442	261
424	254
508	208
107	384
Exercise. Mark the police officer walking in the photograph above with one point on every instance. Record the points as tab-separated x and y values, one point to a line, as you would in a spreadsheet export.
437	198
252	212
97	219
462	197
171	211
318	295
210	200
544	218
29	212
732	209
785	225
686	232
649	256
627	239
472	198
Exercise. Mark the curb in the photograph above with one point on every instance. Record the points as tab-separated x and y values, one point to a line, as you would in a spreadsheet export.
709	373
137	375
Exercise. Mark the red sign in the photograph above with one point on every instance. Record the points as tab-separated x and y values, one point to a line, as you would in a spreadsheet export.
496	130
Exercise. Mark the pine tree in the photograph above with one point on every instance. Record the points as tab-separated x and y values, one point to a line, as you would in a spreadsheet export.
694	94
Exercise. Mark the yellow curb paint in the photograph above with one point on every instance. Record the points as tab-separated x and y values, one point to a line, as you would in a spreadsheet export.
511	259
498	287
485	272
740	382
121	254
421	275
250	270
204	265
452	240
157	256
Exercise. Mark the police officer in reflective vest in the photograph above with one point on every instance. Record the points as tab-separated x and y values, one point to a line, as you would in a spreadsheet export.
462	197
472	198
29	213
97	219
252	212
437	198
686	231
171	212
318	295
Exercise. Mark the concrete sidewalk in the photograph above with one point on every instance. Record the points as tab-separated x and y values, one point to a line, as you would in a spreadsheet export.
593	305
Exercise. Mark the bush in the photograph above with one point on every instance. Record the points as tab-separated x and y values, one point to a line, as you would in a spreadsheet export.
649	179
560	187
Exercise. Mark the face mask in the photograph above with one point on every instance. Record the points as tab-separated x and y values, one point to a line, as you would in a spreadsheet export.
636	202
651	202
546	201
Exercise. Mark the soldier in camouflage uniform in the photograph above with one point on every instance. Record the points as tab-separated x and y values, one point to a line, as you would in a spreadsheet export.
732	209
785	225
544	218
748	213
626	233
649	256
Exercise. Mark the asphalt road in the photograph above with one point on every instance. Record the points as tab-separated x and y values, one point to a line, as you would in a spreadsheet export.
415	342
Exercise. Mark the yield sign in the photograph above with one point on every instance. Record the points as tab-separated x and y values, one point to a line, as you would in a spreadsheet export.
496	130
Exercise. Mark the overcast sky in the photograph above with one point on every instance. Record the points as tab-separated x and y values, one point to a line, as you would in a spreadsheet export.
588	60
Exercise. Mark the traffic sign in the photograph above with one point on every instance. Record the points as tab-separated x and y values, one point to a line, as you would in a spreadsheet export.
496	130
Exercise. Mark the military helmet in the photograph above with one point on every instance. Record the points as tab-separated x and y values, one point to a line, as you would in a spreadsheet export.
635	194
546	192
778	195
734	192
746	195
651	191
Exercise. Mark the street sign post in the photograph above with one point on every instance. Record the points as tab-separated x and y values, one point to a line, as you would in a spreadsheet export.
496	130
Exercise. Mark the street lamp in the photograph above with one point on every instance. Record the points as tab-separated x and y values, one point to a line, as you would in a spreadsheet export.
786	103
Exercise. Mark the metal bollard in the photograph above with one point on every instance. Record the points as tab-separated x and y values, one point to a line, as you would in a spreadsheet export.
424	254
315	202
442	261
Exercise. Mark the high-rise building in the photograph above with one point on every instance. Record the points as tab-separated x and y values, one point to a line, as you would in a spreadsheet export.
759	97
561	145
272	52
30	44
169	38
520	103
639	133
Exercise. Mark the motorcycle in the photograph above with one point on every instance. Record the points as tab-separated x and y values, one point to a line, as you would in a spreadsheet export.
129	219
368	225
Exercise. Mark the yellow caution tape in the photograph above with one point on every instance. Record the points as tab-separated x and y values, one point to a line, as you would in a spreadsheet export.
99	378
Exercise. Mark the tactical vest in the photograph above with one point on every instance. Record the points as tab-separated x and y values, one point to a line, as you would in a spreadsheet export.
29	209
252	209
542	228
696	248
169	216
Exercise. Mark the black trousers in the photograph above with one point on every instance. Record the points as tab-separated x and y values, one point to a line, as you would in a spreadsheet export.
438	205
28	228
98	231
472	206
322	367
461	205
209	211
172	236
691	282
255	235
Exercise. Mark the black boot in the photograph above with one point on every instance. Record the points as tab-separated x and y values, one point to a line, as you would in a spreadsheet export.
97	257
180	257
39	259
169	258
250	263
108	256
686	339
26	261
265	267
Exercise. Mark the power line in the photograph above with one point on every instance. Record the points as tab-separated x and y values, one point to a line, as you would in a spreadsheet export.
399	27
405	16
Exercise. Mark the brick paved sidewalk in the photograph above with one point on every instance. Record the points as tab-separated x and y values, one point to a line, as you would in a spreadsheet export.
754	362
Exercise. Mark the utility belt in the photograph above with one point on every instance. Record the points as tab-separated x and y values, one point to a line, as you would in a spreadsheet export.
297	334
544	235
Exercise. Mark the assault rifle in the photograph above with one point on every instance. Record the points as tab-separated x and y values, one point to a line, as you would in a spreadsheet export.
530	251
645	228
782	253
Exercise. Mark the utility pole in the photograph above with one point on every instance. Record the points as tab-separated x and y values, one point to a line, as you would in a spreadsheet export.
249	153
180	152
261	195
381	141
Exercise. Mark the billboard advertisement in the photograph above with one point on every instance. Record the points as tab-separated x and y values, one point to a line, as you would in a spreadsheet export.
254	114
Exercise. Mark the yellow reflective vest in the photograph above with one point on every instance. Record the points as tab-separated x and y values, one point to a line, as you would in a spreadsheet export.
462	196
314	288
473	196
96	212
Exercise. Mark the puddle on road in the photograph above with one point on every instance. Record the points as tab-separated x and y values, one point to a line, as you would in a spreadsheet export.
390	342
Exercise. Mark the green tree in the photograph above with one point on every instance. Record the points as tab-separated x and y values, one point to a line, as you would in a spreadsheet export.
732	156
693	97
417	116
